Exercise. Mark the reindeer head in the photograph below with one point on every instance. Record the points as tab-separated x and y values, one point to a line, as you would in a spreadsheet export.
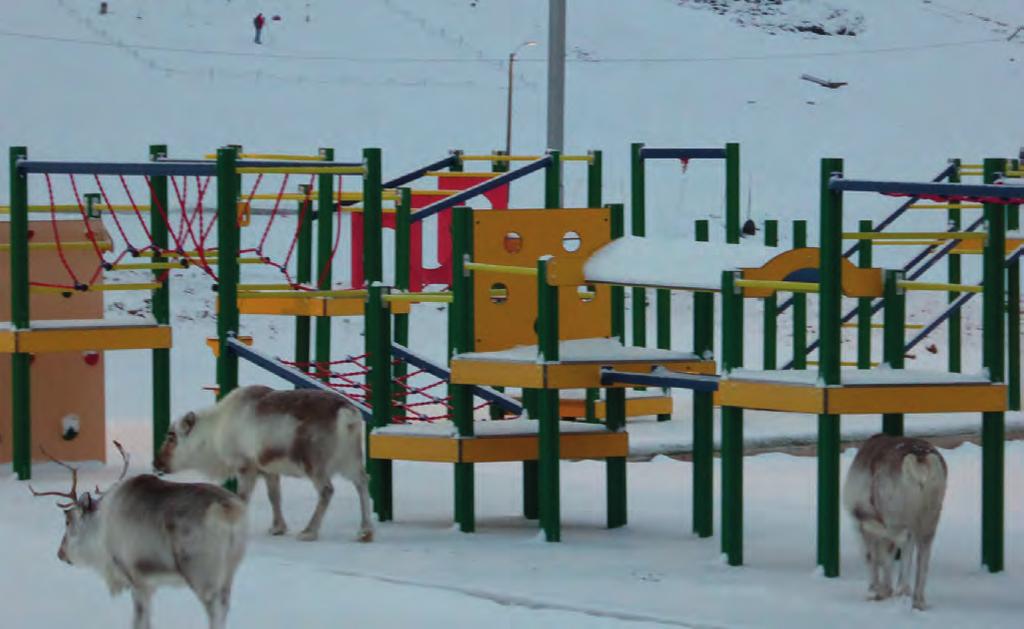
80	514
178	447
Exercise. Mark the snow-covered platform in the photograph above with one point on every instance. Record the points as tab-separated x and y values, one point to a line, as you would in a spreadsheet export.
579	365
862	392
493	441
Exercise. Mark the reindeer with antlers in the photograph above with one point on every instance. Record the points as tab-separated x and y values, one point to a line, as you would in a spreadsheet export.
143	532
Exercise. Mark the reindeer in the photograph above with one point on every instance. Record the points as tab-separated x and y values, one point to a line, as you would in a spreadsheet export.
144	532
257	431
894	492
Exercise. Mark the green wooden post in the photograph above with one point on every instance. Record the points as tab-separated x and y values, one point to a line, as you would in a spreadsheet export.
703	410
325	263
637	227
548	458
895	337
954	326
615	410
21	382
993	425
594	183
304	274
770	324
829	315
800	305
732	424
1013	309
732	193
403	235
553	181
494	410
462	341
864	304
227	267
161	300
378	359
618	292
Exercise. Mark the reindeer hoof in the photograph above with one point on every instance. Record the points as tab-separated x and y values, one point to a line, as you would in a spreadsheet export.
278	529
365	536
920	605
307	536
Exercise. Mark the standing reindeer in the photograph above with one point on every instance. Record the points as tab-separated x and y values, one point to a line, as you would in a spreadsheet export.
894	492
144	532
257	431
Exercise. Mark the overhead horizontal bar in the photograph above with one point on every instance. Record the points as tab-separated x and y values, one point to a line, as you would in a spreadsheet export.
662	378
150	169
75	245
521	158
681	153
274	156
910	188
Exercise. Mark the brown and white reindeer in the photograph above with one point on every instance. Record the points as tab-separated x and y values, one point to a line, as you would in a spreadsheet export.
894	491
257	431
144	532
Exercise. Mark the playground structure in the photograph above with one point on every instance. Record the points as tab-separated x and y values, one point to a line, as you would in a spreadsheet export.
555	266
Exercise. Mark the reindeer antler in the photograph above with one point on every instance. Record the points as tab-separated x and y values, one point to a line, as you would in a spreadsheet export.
125	457
71	495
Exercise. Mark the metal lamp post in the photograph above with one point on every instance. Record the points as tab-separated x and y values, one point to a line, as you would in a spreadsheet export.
508	112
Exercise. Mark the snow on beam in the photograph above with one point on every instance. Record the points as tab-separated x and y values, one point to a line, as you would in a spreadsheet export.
1004	193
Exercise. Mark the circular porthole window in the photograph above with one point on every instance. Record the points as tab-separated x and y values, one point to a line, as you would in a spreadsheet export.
571	242
499	293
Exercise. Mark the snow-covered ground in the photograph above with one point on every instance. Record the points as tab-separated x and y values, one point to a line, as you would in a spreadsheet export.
927	80
422	572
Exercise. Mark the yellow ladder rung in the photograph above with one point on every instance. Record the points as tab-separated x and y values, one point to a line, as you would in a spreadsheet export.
146	266
75	245
908	243
940	286
255	287
521	158
457	174
273	156
300	170
445	298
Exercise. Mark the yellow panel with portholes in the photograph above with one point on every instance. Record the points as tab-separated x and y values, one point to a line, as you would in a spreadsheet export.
505	306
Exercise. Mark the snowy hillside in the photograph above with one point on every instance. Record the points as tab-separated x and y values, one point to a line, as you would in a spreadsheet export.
926	80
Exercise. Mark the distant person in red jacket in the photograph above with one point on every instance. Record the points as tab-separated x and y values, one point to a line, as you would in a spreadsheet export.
258	22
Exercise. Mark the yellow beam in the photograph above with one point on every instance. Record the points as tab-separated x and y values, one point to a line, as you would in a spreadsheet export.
300	170
301	294
908	243
942	286
251	287
444	298
98	288
880	326
789	287
76	338
913	235
500	268
946	206
146	266
74	245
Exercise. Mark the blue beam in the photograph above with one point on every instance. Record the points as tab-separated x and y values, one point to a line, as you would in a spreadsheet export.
440	164
681	153
151	169
486	186
292	375
662	378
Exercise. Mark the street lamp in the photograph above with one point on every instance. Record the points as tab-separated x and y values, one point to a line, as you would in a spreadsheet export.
508	113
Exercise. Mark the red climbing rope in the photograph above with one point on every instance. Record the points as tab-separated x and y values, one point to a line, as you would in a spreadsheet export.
56	234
